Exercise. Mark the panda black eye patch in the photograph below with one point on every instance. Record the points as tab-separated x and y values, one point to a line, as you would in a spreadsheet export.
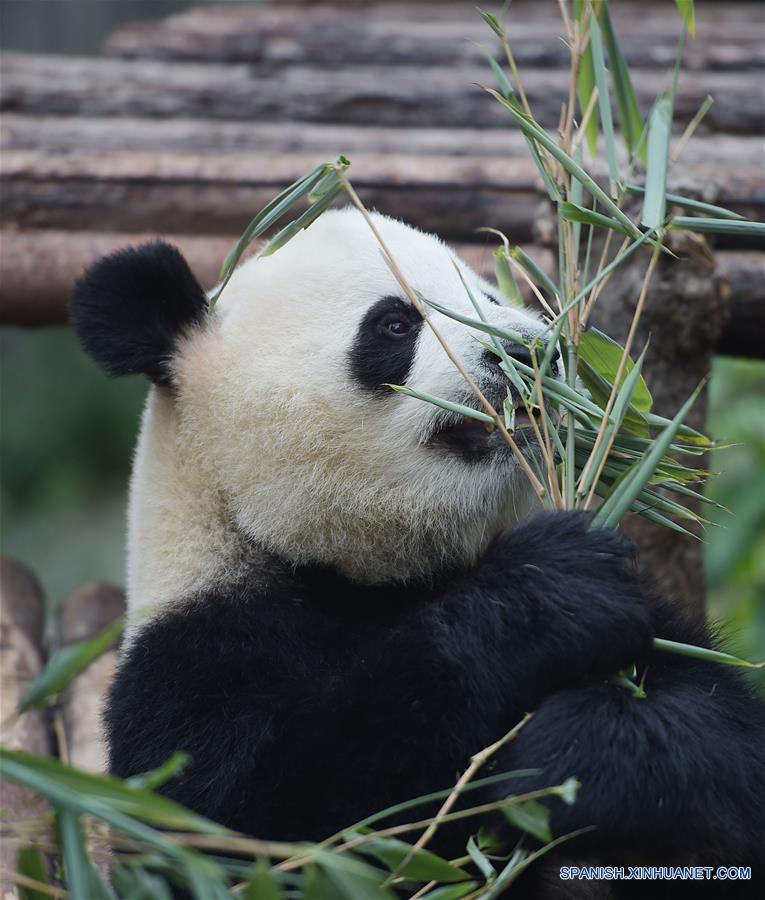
383	349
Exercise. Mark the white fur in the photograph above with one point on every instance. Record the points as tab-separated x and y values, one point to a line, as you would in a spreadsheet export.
270	446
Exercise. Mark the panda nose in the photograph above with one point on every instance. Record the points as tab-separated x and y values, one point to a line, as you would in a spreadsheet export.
521	353
514	351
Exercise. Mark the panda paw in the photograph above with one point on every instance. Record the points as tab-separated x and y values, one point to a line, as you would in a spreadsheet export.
578	587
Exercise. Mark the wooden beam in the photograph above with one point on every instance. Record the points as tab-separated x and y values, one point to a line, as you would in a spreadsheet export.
399	34
445	95
38	268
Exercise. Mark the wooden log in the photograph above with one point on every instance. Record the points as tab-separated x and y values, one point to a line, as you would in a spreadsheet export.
22	614
38	268
728	160
396	34
185	193
83	615
378	95
94	187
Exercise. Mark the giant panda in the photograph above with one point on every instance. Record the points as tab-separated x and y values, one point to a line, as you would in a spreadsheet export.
337	594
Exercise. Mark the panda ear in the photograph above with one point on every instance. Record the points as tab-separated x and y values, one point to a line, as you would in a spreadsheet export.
130	308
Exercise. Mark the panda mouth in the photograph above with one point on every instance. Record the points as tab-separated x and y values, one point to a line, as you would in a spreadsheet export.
475	441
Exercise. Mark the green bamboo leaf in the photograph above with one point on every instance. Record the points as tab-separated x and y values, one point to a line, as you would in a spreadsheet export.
719	212
317	886
704	654
630	117
604	104
530	127
503	272
66	664
460	408
82	878
610	513
492	21
307	218
262	884
718	226
507	90
480	859
574	213
585	85
30	862
157	777
507	334
66	789
688	12
271	213
45	774
411	863
619	260
504	82
351	878
623	406
136	883
685	432
540	278
659	133
531	817
453	891
604	355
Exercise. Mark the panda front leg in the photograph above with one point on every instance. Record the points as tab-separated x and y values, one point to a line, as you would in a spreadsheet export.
310	706
676	778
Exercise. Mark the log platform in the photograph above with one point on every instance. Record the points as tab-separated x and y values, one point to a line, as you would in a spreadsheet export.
187	126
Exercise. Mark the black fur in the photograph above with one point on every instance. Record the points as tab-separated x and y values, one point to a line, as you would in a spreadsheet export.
129	309
376	357
311	705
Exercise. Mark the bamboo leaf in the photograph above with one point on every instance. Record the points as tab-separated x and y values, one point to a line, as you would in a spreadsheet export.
453	891
574	213
537	275
688	12
507	90
30	862
630	117
411	863
719	212
157	777
604	355
307	218
492	21
459	408
704	654
271	213
261	884
43	774
66	664
604	103
528	126
82	878
718	226
585	85
531	817
480	859
659	132
610	513
503	272
497	330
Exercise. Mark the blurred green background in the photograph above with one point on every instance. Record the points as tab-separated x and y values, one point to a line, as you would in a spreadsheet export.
68	432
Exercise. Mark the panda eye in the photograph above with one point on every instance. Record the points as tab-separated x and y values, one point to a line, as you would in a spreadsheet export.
394	326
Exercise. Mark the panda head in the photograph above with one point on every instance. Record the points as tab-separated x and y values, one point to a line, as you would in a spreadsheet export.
271	429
